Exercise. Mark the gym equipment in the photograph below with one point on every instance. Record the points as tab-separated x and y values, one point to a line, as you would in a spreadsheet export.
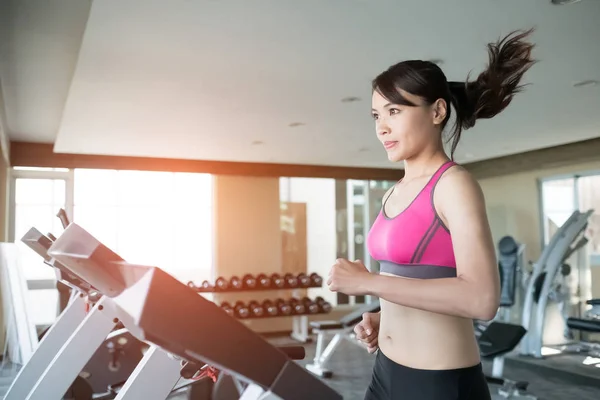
235	283
304	280
179	324
590	324
495	342
110	364
264	281
290	280
541	287
249	281
342	329
261	282
297	309
500	337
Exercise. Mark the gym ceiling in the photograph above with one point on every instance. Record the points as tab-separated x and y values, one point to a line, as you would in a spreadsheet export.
272	81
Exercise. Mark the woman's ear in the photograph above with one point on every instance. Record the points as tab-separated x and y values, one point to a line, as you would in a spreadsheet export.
439	111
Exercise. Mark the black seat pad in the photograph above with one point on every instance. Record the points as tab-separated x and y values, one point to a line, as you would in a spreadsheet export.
349	319
500	338
586	325
326	325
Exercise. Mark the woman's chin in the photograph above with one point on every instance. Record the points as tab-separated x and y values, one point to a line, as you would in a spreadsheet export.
395	157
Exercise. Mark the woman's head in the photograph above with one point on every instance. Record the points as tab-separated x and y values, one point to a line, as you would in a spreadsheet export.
412	100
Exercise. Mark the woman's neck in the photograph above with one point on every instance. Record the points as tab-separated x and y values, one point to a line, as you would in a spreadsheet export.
425	164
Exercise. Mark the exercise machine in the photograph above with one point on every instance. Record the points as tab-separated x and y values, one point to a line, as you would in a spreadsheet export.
342	329
113	361
179	326
589	324
501	337
542	285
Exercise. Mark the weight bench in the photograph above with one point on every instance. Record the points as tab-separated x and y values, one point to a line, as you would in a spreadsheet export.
498	339
594	312
590	324
342	329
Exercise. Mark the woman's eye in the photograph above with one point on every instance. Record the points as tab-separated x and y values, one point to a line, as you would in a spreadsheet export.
394	111
375	116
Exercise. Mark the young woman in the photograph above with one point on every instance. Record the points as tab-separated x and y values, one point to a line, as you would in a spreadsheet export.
438	268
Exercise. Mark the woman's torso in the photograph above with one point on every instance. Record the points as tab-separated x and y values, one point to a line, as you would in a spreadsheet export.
410	241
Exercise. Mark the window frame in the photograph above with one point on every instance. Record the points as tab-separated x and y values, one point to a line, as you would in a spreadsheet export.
14	174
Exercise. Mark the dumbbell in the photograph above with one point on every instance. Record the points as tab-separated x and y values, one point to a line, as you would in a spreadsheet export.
221	283
206	285
270	308
263	281
298	307
278	281
311	306
256	309
324	306
284	308
249	281
290	280
316	279
241	310
236	283
304	280
228	309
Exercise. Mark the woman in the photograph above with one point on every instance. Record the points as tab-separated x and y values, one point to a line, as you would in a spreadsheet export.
438	267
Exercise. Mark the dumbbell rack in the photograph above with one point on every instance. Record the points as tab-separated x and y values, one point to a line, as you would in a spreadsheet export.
300	331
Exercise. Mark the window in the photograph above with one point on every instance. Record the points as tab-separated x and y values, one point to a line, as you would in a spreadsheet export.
558	203
560	197
161	219
38	194
588	190
37	202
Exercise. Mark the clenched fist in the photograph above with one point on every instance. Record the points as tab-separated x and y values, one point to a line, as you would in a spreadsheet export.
349	277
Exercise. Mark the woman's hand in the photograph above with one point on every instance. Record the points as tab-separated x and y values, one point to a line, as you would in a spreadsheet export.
367	331
348	277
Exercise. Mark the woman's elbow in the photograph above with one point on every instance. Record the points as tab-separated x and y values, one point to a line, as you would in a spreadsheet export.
486	308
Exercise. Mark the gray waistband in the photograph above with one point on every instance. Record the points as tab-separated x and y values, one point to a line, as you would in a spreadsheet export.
417	271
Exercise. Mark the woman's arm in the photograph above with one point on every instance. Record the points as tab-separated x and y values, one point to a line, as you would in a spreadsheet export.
475	292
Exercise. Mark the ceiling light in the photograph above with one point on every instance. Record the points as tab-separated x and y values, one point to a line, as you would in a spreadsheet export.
563	2
350	99
257	142
295	124
586	83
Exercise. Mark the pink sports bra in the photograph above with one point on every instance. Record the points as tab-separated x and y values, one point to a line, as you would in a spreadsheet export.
415	243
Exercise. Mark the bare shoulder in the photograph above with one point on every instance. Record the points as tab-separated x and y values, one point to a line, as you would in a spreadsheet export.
457	180
458	192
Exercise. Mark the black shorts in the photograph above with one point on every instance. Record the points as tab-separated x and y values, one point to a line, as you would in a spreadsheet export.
392	381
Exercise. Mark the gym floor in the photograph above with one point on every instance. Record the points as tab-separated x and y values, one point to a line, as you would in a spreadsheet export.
352	372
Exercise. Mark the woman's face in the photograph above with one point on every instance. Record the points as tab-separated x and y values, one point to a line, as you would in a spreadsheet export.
405	131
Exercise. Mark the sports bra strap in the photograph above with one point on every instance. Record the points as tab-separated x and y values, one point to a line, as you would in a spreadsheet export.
438	174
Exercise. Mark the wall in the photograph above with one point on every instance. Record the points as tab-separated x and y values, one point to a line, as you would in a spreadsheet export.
3	224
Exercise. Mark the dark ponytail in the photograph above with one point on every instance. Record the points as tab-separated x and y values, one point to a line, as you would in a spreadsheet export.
494	88
488	95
